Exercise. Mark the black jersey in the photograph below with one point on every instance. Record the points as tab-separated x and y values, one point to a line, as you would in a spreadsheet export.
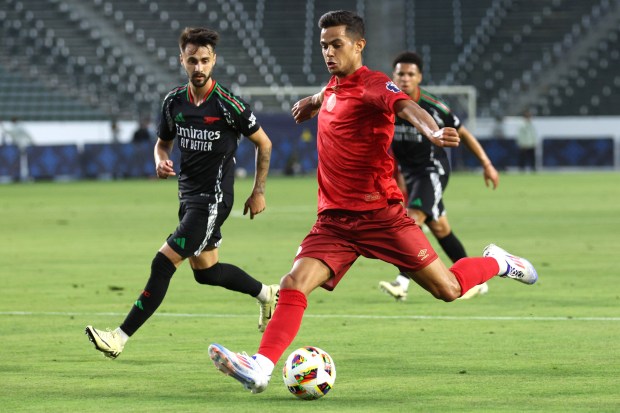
208	136
413	151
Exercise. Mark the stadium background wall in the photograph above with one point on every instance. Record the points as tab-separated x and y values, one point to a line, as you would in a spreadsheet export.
84	150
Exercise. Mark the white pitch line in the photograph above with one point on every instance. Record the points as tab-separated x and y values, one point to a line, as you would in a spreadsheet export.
345	316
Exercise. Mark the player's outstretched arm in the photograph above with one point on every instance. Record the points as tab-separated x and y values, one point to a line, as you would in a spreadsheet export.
163	163
308	107
418	117
256	201
490	174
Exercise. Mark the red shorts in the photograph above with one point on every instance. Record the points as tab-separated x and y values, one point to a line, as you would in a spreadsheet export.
338	238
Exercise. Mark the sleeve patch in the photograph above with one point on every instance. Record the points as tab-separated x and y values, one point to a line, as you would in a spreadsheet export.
392	87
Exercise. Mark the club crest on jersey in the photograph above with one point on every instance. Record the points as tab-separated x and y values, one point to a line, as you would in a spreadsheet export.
210	119
331	103
392	87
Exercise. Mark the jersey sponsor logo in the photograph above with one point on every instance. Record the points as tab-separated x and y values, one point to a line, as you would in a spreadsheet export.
331	102
193	145
197	139
374	196
423	254
437	118
392	87
198	134
210	119
407	133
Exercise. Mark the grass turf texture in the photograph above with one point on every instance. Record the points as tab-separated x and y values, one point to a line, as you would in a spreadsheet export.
79	253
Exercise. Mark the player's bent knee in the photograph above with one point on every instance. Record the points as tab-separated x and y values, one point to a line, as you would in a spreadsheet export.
440	228
306	275
304	283
441	232
290	282
446	293
440	295
161	266
449	297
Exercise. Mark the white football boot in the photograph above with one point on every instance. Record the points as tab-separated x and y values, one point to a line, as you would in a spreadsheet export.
240	367
395	289
518	268
268	307
110	343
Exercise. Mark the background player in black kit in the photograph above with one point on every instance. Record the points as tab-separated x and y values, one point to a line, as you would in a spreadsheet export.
207	122
426	169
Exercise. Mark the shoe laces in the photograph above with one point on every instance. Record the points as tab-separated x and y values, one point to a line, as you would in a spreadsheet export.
514	272
246	361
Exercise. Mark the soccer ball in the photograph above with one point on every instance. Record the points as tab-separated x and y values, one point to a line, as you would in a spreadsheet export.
309	373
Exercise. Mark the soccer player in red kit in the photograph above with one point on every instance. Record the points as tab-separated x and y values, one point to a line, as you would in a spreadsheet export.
360	209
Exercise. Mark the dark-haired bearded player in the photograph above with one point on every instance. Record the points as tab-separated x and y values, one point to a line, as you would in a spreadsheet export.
207	121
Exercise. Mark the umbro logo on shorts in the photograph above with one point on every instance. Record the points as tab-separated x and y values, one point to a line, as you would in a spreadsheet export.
423	254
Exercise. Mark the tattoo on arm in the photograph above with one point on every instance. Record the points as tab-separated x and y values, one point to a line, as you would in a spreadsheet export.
263	158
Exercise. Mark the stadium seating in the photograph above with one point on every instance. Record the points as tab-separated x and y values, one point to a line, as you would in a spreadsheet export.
102	59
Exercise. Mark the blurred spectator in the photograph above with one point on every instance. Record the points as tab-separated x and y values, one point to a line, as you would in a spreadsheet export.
114	131
293	165
143	133
498	127
3	135
526	142
18	135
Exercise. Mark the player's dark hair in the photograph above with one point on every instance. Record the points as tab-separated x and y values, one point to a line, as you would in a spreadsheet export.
409	57
354	23
199	36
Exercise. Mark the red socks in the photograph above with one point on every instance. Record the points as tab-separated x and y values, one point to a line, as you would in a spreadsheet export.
472	271
284	324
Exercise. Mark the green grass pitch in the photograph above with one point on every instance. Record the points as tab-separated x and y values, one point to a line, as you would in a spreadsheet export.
79	253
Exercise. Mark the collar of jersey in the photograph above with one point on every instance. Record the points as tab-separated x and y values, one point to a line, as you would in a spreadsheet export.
353	77
190	97
417	94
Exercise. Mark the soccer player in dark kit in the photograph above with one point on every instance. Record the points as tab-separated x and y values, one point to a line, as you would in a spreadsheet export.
360	211
426	169
207	121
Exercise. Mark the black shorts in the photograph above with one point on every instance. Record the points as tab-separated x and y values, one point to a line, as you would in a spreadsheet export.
199	227
425	190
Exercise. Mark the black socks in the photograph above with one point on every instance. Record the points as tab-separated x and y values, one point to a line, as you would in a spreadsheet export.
162	270
230	277
453	247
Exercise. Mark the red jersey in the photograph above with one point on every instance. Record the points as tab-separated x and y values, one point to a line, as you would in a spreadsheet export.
355	130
